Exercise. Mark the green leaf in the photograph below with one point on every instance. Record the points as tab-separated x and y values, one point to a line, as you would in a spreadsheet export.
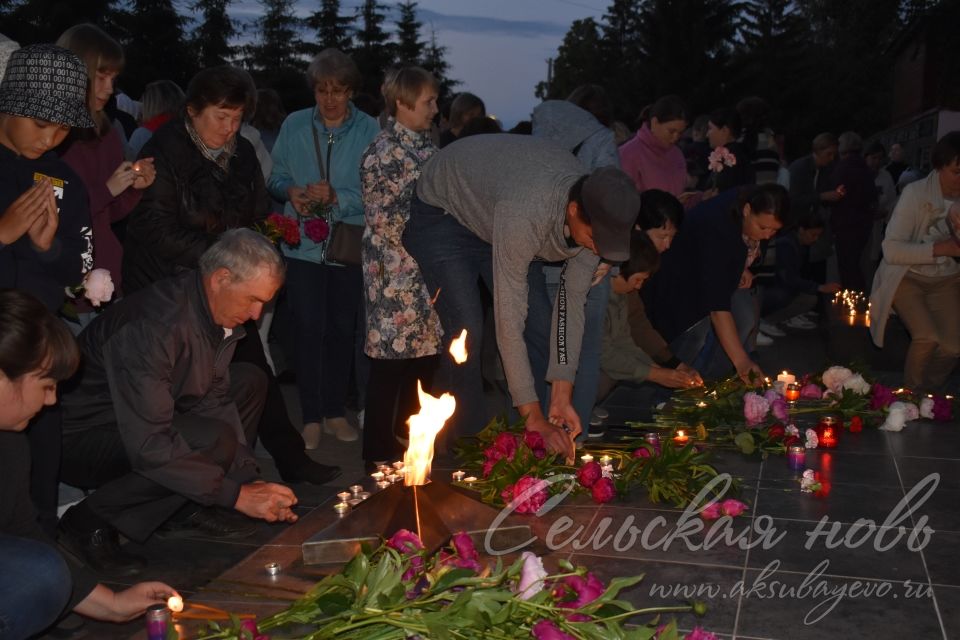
450	579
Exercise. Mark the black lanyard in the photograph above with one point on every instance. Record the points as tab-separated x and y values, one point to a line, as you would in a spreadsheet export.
324	169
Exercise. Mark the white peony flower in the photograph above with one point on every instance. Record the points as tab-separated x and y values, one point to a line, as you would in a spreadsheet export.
926	408
834	377
812	440
531	576
857	384
896	418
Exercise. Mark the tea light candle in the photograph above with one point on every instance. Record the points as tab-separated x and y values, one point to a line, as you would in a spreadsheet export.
175	604
585	458
605	460
792	392
681	438
458	476
383	484
354	501
796	457
470	479
398	465
786	378
377	476
363	495
701	404
272	568
341	508
393	478
344	496
356	488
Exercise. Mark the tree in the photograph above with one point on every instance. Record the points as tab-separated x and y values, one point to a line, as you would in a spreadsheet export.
434	60
211	38
333	30
152	35
409	49
373	52
277	44
577	61
44	20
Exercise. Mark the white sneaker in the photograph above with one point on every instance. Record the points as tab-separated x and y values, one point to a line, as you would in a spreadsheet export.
771	329
763	340
340	428
311	435
799	322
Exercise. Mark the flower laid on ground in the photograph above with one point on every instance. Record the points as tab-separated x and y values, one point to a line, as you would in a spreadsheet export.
399	591
718	509
811	439
514	463
755	408
811	391
942	409
881	396
926	408
897	418
834	377
856	424
810	482
279	228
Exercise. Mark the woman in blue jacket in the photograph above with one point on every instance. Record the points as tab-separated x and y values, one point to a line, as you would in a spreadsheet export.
316	172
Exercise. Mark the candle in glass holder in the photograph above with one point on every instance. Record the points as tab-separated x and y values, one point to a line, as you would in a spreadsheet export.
681	438
377	476
796	457
792	392
652	438
356	488
585	458
341	508
398	465
828	432
363	495
458	476
175	604
383	484
344	496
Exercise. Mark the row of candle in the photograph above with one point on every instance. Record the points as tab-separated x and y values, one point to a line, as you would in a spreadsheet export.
384	476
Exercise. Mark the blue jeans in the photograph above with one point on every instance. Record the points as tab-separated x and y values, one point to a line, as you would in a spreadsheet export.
323	301
700	347
543	281
453	261
35	585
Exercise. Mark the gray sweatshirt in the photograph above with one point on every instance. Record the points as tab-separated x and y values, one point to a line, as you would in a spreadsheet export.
512	192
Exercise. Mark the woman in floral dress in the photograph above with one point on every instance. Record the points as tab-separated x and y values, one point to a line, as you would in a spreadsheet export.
403	330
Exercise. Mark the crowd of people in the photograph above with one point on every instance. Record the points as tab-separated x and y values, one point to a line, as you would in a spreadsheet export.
574	253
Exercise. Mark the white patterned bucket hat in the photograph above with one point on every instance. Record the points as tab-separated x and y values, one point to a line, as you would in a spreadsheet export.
46	82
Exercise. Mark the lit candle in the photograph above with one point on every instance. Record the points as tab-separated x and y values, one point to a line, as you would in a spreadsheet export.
786	378
458	476
377	476
701	404
383	484
470	479
175	604
585	458
398	465
681	438
341	508
356	488
363	495
828	432
344	496
605	460
394	477
792	392
796	457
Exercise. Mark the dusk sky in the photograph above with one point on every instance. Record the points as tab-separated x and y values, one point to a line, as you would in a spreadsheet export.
497	48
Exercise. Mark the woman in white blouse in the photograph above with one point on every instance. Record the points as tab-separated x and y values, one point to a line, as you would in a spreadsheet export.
919	276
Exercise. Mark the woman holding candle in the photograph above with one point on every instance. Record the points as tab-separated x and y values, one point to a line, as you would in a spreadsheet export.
919	275
38	584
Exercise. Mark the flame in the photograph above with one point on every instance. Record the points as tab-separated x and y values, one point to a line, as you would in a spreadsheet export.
458	348
424	427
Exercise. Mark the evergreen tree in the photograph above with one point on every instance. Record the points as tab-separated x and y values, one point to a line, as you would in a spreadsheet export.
577	61
277	44
152	35
434	60
211	38
333	30
620	55
774	58
374	52
410	47
33	21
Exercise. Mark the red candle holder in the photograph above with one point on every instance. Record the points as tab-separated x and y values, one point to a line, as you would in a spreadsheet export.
828	432
792	392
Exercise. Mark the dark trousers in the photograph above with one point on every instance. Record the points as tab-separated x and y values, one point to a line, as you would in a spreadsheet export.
45	436
323	301
391	400
850	241
34	586
132	503
453	261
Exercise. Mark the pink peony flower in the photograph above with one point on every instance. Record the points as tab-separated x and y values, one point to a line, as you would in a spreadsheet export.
316	229
575	592
720	158
532	574
699	634
463	544
527	495
548	630
98	286
771	395
732	507
406	542
712	511
755	408
507	444
942	409
603	490
535	443
780	409
881	397
811	391
589	473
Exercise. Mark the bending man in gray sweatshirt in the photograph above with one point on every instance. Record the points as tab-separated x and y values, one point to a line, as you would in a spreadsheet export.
486	207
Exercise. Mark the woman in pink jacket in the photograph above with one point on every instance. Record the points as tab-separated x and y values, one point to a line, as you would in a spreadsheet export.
651	158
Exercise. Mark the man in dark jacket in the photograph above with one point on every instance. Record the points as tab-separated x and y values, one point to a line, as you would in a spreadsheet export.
851	216
158	418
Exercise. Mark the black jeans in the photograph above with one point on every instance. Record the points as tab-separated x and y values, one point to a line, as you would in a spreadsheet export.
133	504
391	399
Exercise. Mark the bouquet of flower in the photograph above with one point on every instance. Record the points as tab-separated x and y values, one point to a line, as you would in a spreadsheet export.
517	471
721	158
400	591
279	228
97	287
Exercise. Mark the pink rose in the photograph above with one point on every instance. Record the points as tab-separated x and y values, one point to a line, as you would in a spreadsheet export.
575	592
527	495
98	286
732	507
548	630
789	441
811	391
755	408
772	395
712	511
589	473
603	490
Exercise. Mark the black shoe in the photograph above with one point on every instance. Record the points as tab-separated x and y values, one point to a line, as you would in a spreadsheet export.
99	549
596	429
211	522
310	471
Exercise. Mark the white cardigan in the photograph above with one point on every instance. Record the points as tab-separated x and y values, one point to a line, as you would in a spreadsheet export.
920	204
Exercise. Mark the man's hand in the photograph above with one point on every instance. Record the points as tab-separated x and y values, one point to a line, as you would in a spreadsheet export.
104	604
693	373
746	367
267	501
23	213
555	436
832	196
671	378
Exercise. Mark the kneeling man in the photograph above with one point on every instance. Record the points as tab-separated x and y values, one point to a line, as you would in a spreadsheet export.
158	420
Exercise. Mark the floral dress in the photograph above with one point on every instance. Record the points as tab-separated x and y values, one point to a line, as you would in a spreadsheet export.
401	321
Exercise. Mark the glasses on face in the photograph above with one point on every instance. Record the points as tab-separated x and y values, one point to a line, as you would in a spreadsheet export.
338	93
